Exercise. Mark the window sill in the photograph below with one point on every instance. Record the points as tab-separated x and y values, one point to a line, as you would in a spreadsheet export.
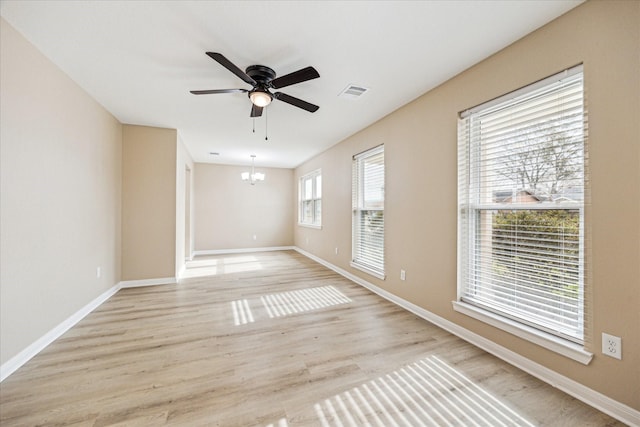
551	342
374	273
317	227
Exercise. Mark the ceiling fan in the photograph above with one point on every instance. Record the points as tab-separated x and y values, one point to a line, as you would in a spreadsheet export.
263	79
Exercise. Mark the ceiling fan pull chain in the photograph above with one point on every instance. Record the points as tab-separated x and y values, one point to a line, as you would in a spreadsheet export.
266	121
254	125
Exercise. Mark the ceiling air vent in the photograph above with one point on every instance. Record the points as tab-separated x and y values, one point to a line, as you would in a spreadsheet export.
353	92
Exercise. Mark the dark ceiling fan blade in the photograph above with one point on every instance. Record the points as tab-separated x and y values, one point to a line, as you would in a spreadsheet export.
296	102
220	59
256	111
209	92
299	76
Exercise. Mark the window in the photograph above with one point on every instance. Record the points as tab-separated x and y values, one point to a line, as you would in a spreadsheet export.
521	206
368	211
310	196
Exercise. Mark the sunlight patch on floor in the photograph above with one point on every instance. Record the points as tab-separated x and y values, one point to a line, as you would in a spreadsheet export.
286	304
241	312
203	267
281	423
426	393
303	300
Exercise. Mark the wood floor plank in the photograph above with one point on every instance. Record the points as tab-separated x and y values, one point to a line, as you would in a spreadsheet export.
272	339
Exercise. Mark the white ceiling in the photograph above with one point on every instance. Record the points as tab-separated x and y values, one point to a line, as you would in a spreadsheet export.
139	59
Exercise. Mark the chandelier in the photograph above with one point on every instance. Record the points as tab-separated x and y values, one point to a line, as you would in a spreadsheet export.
252	176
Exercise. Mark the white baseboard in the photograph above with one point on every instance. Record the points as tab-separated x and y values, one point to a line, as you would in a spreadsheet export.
609	406
148	282
12	365
242	251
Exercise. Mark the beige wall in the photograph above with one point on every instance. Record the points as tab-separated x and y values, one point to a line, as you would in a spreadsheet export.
149	193
421	194
228	212
60	195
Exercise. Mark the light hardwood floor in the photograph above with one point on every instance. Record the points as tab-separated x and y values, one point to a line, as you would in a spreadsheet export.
272	339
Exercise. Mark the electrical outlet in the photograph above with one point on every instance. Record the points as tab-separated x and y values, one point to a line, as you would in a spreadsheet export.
98	272
336	251
612	346
403	275
255	237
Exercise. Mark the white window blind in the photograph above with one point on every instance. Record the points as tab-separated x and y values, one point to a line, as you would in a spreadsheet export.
368	211
310	199
521	205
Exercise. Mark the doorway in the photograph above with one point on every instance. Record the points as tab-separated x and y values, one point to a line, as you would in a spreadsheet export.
187	215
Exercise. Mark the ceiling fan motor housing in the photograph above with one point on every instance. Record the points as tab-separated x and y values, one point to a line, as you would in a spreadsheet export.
261	74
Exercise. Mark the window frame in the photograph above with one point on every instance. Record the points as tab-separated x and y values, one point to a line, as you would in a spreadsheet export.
315	201
471	209
358	208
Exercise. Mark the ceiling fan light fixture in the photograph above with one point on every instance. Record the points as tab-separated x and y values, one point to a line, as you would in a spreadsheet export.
260	98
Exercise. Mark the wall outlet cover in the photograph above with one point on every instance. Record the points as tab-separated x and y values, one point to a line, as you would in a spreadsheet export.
612	346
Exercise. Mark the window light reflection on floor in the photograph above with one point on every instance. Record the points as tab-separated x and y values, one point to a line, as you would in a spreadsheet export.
288	303
426	393
205	266
282	422
241	312
302	300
